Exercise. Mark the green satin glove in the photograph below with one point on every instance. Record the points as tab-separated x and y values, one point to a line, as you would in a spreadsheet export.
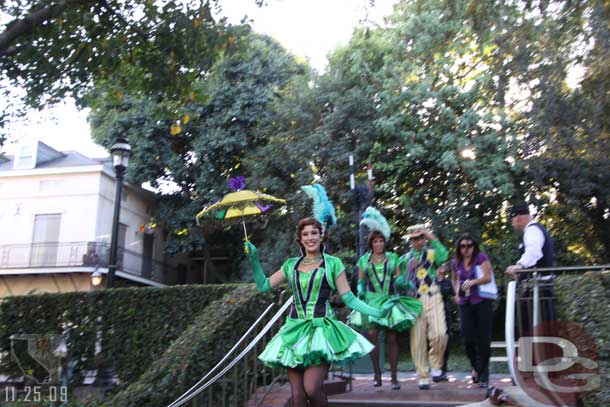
361	288
401	281
262	282
358	305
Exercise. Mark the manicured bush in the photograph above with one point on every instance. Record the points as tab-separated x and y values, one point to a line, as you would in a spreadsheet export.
196	351
585	300
135	325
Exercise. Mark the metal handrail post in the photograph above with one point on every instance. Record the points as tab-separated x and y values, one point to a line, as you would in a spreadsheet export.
535	301
509	327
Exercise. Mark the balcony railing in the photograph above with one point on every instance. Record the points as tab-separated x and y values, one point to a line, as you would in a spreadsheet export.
80	254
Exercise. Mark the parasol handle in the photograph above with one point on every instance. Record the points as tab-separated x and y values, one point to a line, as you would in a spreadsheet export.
243	222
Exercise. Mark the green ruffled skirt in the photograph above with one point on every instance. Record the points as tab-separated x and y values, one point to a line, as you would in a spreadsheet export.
402	316
301	343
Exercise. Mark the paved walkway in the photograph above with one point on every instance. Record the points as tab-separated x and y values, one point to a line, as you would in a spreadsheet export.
459	390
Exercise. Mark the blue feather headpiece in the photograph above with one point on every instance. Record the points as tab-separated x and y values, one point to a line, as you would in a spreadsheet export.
374	220
323	209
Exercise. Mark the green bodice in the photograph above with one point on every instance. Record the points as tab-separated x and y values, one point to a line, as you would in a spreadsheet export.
312	289
379	277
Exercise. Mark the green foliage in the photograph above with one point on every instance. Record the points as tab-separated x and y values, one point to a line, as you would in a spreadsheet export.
222	130
155	49
445	102
136	324
210	335
139	45
589	308
460	106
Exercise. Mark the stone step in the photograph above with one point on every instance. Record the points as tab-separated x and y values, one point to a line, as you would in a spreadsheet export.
458	391
500	344
391	403
498	359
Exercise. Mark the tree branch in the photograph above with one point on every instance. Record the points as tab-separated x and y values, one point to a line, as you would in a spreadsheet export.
144	36
19	27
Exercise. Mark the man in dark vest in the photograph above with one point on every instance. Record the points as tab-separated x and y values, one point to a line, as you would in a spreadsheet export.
536	252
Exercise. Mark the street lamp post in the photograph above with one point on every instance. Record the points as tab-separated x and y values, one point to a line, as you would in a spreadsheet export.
120	154
96	278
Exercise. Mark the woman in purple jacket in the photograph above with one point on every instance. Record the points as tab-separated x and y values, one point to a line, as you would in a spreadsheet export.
475	312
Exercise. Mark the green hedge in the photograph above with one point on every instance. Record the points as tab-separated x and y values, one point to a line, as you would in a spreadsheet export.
197	350
585	300
136	324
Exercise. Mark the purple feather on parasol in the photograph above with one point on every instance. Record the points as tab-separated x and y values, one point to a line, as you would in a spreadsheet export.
237	183
263	208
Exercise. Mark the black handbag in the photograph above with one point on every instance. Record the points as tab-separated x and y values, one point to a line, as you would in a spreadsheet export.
446	287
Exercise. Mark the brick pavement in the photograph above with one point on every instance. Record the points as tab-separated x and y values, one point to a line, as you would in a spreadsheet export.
459	390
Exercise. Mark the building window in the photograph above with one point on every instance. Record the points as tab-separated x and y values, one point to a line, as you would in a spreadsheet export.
52	185
45	240
4	256
26	158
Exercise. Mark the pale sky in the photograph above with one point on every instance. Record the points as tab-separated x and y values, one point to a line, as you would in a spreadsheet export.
308	28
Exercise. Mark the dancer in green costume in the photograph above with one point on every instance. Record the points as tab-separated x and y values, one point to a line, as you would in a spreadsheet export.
311	337
377	270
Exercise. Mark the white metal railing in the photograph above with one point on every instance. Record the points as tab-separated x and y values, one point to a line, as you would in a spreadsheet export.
510	323
79	254
202	385
509	327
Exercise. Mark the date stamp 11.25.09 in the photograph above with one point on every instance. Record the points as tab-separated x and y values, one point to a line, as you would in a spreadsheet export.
34	394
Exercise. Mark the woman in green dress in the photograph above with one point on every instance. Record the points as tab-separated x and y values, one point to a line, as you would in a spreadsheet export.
377	270
311	337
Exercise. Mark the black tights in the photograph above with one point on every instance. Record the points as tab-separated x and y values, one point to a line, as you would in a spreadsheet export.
306	384
392	352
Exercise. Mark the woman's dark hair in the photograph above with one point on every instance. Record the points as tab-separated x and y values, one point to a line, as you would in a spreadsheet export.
307	222
372	236
458	253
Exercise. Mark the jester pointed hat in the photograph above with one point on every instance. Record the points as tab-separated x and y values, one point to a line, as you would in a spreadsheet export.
374	220
323	209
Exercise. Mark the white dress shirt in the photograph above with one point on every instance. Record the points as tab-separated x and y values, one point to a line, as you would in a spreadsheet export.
533	239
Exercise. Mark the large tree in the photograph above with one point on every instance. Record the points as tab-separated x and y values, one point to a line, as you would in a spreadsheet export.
461	106
567	143
451	104
59	48
211	141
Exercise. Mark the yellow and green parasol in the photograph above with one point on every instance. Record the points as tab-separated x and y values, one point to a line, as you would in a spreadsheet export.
239	205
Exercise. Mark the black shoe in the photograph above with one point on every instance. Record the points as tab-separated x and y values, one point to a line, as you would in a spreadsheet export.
395	386
441	378
483	384
377	382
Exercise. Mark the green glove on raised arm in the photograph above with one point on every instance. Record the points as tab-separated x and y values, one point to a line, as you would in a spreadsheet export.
358	305
361	288
402	283
262	281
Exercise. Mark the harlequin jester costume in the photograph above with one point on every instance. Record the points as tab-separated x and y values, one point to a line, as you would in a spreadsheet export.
418	278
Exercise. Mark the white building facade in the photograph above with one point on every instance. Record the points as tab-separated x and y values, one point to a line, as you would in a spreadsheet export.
56	211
